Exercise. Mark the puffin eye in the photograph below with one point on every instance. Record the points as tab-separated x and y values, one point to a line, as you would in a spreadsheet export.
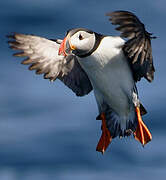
81	37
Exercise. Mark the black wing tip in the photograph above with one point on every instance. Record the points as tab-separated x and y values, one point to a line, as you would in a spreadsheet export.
12	40
119	13
46	76
12	35
150	76
153	37
150	35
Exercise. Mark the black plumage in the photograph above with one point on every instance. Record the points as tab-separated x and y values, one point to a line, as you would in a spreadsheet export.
138	48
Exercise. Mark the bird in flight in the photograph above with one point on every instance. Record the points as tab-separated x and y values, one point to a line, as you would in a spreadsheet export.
110	66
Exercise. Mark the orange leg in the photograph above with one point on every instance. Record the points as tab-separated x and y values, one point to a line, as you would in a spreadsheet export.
142	134
105	138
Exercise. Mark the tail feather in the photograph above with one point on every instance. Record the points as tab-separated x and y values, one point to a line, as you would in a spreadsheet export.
120	126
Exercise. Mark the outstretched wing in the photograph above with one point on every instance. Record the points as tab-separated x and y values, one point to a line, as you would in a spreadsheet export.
138	48
42	56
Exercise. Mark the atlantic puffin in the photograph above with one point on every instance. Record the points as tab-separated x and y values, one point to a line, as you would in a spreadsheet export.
109	66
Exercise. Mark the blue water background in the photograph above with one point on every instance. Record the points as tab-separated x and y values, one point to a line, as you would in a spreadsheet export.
46	132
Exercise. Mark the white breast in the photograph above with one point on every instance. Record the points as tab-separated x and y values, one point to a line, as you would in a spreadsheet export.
110	74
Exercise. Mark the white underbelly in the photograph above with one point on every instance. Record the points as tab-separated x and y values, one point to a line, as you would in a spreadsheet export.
113	80
116	89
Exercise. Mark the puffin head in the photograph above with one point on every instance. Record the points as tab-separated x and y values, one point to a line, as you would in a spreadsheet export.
78	41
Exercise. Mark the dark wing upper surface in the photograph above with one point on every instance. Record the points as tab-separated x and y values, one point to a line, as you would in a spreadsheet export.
138	48
42	56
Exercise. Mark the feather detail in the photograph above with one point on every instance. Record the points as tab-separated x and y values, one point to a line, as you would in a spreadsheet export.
138	48
42	56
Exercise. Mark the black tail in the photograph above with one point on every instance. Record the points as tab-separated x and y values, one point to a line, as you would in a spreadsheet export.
118	126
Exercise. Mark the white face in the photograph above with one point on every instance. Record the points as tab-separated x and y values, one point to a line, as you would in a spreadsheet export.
82	41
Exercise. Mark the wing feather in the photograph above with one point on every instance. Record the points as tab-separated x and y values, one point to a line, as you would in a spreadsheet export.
42	56
138	47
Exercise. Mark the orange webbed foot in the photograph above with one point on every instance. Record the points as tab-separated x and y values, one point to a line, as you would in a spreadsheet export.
105	138
142	134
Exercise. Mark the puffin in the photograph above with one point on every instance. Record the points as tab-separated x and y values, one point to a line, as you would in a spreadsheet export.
110	66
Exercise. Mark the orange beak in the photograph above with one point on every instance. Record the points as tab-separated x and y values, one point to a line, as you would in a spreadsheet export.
66	47
63	47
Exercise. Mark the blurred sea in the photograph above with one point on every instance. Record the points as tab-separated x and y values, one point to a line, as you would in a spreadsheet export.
46	132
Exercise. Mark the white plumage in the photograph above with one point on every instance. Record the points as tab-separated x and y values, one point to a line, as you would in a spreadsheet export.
111	77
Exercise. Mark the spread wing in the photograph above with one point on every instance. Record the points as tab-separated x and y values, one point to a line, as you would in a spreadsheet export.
138	47
42	56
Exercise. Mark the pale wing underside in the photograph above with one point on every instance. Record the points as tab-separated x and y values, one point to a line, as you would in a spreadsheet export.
42	56
138	48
